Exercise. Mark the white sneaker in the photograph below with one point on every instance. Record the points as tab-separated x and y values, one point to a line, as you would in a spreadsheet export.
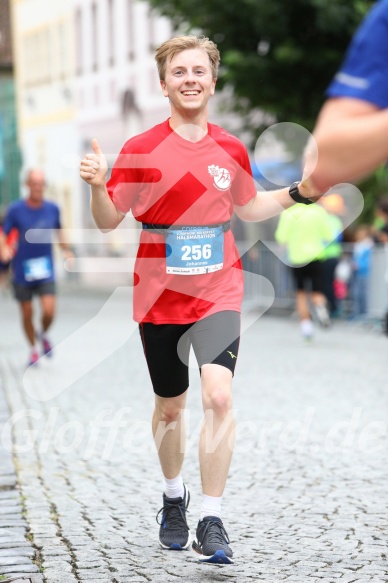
307	329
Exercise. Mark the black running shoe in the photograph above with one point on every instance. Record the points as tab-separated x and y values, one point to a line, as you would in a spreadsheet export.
174	533
212	542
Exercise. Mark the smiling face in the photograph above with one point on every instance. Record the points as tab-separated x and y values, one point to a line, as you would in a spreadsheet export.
188	82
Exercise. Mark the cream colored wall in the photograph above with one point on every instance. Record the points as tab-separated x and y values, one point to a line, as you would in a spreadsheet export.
44	50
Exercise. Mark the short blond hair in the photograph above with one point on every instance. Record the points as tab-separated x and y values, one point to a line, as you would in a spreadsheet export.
176	45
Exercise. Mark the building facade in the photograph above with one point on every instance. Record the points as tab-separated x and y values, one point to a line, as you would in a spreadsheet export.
43	41
84	69
117	88
10	159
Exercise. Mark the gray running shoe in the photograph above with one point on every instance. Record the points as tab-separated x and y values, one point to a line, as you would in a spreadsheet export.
174	533
323	316
212	542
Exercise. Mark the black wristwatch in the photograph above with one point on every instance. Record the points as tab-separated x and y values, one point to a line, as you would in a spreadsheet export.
296	196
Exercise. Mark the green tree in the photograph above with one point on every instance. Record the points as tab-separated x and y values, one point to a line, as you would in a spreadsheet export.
277	55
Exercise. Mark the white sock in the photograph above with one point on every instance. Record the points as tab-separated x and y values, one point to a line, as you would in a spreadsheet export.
307	327
211	506
174	488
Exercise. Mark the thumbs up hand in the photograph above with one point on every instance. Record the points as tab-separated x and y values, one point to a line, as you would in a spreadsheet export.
94	166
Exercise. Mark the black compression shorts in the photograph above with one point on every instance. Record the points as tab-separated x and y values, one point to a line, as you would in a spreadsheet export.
215	340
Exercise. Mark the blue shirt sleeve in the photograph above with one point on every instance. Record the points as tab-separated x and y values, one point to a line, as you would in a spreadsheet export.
364	71
57	218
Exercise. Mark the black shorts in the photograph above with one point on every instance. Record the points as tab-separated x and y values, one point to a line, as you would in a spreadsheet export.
24	293
310	277
215	340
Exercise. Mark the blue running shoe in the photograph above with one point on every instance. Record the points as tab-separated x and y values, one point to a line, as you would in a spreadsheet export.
47	348
212	542
174	533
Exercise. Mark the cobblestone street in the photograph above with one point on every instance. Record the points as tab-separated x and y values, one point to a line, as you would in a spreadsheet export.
80	483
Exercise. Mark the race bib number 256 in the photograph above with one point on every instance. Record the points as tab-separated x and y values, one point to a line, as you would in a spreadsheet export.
194	250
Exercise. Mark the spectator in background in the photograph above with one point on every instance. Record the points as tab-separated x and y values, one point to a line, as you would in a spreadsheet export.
305	232
32	263
380	236
362	256
342	278
380	226
335	207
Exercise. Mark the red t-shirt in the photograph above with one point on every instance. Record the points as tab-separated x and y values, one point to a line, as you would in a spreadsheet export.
165	179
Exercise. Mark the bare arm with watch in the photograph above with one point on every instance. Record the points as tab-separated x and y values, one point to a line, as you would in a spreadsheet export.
270	204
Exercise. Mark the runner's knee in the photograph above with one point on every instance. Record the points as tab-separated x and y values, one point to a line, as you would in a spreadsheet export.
169	410
216	391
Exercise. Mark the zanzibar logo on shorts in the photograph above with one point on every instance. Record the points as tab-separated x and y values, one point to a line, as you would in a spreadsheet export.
221	176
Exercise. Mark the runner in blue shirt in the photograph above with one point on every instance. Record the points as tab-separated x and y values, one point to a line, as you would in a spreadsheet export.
352	127
32	263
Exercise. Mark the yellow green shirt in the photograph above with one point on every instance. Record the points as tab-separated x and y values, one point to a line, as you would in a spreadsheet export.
306	231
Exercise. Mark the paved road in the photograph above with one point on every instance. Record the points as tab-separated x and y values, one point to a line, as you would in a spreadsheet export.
307	495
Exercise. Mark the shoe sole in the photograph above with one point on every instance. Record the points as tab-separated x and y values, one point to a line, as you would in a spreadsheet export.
219	558
176	546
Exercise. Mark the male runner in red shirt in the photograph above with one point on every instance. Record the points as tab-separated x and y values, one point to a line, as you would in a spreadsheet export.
182	180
